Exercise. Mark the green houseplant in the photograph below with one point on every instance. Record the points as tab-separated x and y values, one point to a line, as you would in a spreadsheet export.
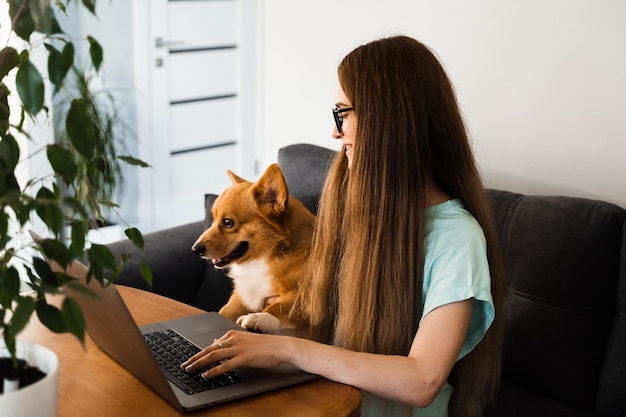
69	200
110	132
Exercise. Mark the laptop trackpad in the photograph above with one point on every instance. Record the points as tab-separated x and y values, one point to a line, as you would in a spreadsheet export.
202	329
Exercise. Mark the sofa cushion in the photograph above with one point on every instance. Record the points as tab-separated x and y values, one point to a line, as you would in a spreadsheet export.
561	259
310	202
305	167
209	199
612	389
517	400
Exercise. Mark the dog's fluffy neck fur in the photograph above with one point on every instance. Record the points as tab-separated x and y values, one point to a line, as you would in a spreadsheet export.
253	282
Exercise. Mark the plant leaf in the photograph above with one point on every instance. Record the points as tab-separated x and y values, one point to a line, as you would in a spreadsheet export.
107	203
90	5
4	226
75	206
4	108
9	286
30	87
68	55
9	152
56	250
62	162
9	342
73	318
43	17
80	130
56	66
48	210
9	59
95	51
51	317
146	273
45	273
60	5
100	258
23	24
79	230
135	236
21	315
23	211
10	186
134	161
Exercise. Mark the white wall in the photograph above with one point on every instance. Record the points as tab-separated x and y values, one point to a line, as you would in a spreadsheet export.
542	82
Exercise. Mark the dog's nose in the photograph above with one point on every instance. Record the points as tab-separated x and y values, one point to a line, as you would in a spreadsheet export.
198	249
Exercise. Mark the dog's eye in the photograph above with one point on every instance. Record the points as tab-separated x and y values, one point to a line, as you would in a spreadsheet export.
227	223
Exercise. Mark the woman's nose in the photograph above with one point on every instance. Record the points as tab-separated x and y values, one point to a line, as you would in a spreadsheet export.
336	134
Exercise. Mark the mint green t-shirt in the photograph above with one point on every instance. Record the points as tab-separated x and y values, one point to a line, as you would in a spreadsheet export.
455	269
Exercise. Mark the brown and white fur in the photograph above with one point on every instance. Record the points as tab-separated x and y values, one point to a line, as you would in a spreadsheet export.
263	236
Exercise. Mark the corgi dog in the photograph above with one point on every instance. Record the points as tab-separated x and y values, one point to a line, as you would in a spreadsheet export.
262	236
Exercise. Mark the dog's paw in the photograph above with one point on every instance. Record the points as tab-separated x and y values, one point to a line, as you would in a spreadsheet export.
260	322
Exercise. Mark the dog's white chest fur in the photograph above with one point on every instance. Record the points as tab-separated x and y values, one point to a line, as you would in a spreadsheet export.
253	283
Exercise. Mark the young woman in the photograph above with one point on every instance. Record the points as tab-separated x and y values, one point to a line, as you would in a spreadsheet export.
405	297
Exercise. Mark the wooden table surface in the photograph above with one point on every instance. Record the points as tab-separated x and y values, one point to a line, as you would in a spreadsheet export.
92	384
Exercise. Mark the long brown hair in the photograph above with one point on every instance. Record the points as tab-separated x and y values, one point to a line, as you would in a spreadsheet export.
368	248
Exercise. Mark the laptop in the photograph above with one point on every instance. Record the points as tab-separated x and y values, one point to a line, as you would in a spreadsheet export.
111	327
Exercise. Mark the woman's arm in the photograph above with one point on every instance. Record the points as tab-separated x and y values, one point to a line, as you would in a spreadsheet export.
415	379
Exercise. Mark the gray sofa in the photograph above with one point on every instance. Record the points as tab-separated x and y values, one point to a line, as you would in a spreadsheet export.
565	259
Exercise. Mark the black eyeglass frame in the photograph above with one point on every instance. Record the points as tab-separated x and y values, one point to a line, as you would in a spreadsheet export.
338	118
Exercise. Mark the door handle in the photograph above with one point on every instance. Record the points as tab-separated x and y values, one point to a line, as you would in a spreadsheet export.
162	43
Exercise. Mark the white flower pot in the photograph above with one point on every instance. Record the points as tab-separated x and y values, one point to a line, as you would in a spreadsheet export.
39	399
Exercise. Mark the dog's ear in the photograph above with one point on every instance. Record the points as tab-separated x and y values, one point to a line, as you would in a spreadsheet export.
234	178
270	192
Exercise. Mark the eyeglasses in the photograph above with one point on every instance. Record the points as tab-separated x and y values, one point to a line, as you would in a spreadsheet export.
338	117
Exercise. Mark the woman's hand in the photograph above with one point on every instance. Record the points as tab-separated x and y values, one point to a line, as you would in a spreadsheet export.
239	349
417	379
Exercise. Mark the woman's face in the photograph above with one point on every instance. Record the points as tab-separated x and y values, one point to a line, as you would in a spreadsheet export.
348	127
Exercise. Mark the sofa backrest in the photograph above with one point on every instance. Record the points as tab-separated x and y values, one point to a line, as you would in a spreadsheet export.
565	259
562	258
612	389
305	167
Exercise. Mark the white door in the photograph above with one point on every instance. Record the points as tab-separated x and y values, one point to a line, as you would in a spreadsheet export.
195	118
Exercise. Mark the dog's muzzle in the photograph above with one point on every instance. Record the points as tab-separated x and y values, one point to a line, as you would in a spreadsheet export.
198	249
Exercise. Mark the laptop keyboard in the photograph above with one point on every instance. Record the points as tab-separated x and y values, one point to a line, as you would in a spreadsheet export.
170	349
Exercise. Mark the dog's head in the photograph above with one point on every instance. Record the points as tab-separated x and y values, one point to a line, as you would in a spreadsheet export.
246	220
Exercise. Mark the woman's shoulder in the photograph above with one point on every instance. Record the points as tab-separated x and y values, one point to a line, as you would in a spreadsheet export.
451	218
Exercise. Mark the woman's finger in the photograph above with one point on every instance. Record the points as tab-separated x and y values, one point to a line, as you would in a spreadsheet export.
207	355
201	358
221	368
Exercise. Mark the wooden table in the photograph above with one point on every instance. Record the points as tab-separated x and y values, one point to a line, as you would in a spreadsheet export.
92	384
